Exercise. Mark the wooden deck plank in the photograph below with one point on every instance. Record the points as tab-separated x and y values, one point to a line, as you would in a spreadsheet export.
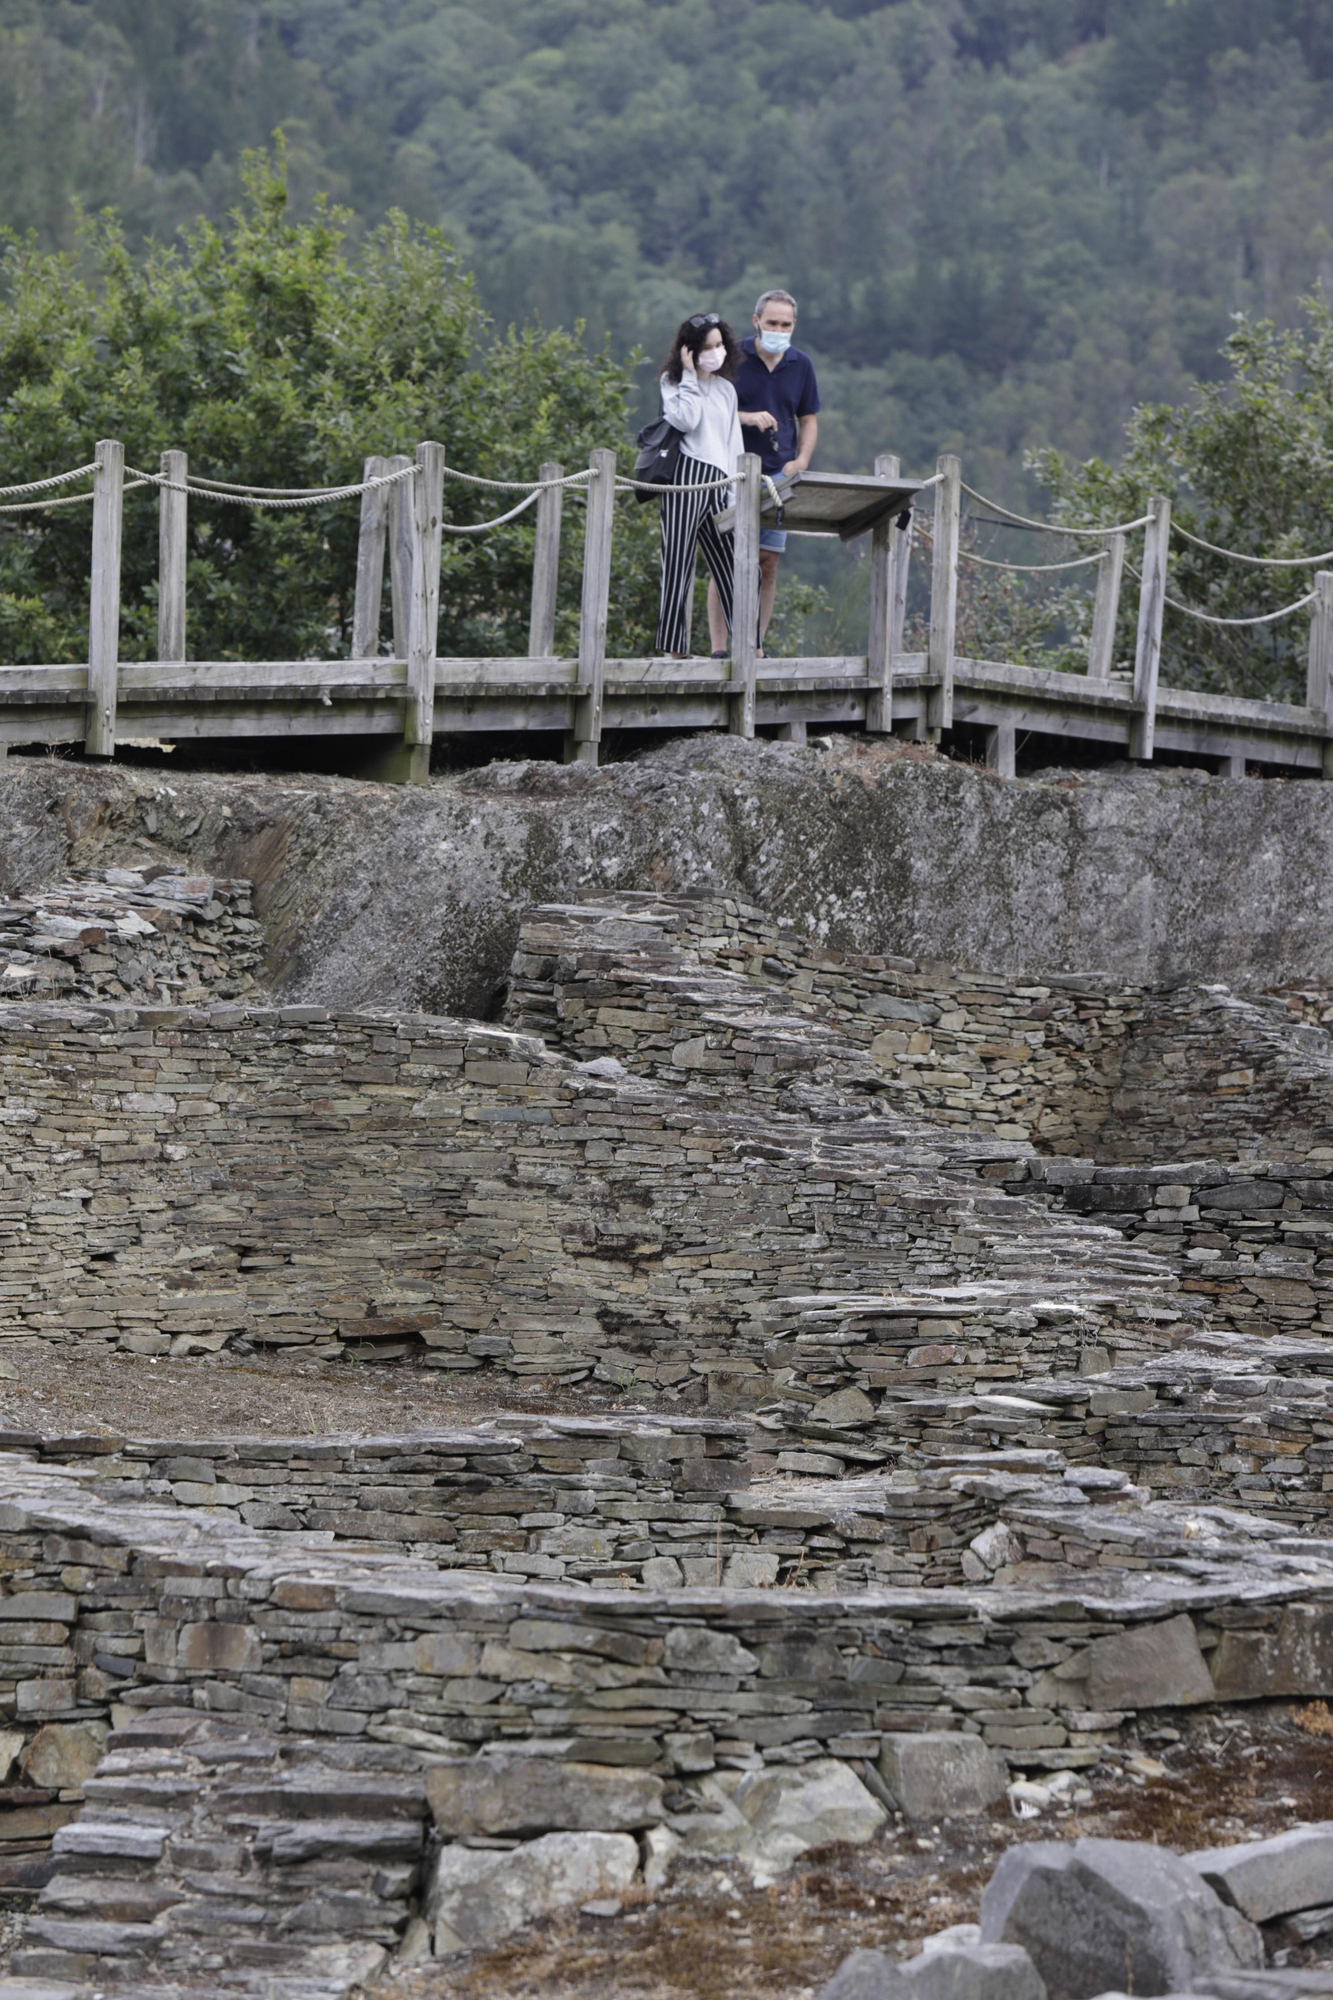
185	700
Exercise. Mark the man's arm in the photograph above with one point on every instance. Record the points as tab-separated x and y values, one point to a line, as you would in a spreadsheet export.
806	440
762	420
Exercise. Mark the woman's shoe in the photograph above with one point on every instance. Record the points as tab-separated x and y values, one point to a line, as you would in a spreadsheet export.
718	656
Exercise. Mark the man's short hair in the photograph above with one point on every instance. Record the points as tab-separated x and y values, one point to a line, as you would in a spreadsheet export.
767	298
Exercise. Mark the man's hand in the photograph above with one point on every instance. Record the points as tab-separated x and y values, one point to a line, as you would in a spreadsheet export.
795	465
760	420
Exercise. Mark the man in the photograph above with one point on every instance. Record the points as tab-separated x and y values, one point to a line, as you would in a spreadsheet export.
779	401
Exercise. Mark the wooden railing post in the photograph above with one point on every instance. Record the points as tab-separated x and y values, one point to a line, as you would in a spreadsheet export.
1001	749
104	607
745	596
1152	607
879	651
581	744
1105	608
402	513
944	595
1319	671
424	618
370	566
172	536
545	566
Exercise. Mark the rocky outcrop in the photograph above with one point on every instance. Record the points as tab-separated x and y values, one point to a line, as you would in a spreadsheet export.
379	896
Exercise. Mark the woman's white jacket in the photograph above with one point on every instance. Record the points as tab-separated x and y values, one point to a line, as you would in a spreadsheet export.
704	408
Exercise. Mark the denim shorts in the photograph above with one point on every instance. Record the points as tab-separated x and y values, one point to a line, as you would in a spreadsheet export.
773	538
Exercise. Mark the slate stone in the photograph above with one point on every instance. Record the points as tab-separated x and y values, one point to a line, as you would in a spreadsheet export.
1295	1659
1272	1878
477	1895
690	1649
941	1771
1100	1914
529	1795
795	1806
63	1755
976	1972
1148	1666
867	1975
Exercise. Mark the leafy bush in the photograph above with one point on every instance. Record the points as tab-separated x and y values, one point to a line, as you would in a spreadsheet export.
1249	466
272	356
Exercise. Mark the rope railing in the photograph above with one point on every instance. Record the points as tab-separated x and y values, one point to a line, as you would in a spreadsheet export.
1211	617
533	486
47	485
292	497
480	527
1266	618
1031	569
1262	562
1052	527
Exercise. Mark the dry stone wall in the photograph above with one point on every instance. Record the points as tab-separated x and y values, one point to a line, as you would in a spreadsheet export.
275	1709
711	993
182	1181
132	934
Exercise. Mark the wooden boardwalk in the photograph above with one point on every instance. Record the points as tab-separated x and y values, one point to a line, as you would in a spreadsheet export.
397	706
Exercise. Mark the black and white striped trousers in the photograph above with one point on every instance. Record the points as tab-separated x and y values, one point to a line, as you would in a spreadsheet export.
687	521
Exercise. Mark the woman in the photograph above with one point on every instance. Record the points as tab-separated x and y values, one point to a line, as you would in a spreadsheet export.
699	399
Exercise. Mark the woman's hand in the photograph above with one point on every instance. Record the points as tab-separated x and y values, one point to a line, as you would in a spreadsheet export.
687	361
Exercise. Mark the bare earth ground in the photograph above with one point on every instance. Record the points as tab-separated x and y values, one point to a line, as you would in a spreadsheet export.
58	1389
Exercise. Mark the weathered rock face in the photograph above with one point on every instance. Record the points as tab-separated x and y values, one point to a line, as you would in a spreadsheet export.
936	1771
478	1896
1099	1916
378	895
1268	1878
494	1795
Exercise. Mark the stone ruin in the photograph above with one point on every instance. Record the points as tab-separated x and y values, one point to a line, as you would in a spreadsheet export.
979	1332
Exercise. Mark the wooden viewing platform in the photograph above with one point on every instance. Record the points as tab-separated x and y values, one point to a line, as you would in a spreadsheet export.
399	705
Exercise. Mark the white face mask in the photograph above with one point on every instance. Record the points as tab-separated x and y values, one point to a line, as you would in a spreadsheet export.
711	359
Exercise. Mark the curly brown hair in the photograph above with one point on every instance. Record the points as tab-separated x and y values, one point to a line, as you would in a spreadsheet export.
693	336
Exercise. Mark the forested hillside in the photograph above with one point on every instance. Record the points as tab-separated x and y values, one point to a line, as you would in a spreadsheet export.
1008	221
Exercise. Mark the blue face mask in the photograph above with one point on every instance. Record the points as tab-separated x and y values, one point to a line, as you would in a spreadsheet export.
774	343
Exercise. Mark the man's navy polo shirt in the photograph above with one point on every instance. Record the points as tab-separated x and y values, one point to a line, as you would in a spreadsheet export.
789	391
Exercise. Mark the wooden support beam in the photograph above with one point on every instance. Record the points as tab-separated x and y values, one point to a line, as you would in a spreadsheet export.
546	566
370	565
1000	747
879	661
104	609
1148	648
944	594
1319	669
1232	765
792	732
172	547
745	603
424	617
401	513
581	744
1105	606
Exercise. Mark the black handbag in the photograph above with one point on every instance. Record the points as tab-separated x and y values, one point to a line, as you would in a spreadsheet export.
658	458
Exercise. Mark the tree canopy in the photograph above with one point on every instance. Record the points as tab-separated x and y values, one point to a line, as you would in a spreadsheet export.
1248	464
1007	221
273	356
